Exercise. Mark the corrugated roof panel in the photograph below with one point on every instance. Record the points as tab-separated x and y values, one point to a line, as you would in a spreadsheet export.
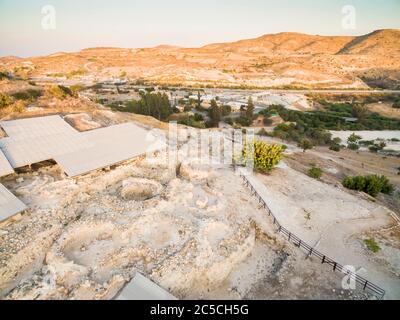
9	204
111	145
5	166
141	288
34	150
36	127
34	140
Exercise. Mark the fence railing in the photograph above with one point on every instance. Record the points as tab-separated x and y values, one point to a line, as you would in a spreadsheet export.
364	283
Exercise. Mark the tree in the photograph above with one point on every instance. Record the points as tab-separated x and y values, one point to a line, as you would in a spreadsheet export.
198	99
305	144
250	109
360	111
214	113
226	110
152	104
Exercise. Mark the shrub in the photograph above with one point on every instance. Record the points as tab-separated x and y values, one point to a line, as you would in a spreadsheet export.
4	75
374	148
335	147
267	121
377	147
353	138
315	172
387	187
262	132
353	146
5	100
371	184
264	155
372	245
244	122
59	92
229	121
305	144
28	95
198	117
366	142
337	140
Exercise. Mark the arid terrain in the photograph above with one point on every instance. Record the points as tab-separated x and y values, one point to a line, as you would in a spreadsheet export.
193	227
277	60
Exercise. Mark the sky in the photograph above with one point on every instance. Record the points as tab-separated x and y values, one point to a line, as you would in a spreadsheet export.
26	31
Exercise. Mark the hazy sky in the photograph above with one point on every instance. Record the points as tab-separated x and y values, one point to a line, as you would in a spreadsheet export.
145	23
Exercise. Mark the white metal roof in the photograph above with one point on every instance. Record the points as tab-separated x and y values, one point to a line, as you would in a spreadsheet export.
5	166
38	139
28	128
141	288
33	150
109	146
34	140
9	204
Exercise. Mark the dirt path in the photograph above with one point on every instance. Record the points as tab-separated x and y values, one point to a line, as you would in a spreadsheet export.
328	218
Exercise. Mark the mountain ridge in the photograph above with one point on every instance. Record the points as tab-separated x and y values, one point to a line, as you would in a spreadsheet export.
280	59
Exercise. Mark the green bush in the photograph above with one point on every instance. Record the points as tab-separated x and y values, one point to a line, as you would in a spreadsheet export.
387	187
267	121
244	122
353	146
353	138
5	100
366	142
229	121
315	172
374	148
305	144
262	132
198	117
371	184
372	245
337	140
335	147
27	95
59	91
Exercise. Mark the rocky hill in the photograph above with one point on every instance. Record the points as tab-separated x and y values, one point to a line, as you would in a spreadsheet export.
283	59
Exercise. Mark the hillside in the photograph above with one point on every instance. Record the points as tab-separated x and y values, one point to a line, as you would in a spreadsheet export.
270	60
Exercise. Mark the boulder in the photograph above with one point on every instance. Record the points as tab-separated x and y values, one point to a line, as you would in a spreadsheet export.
140	189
